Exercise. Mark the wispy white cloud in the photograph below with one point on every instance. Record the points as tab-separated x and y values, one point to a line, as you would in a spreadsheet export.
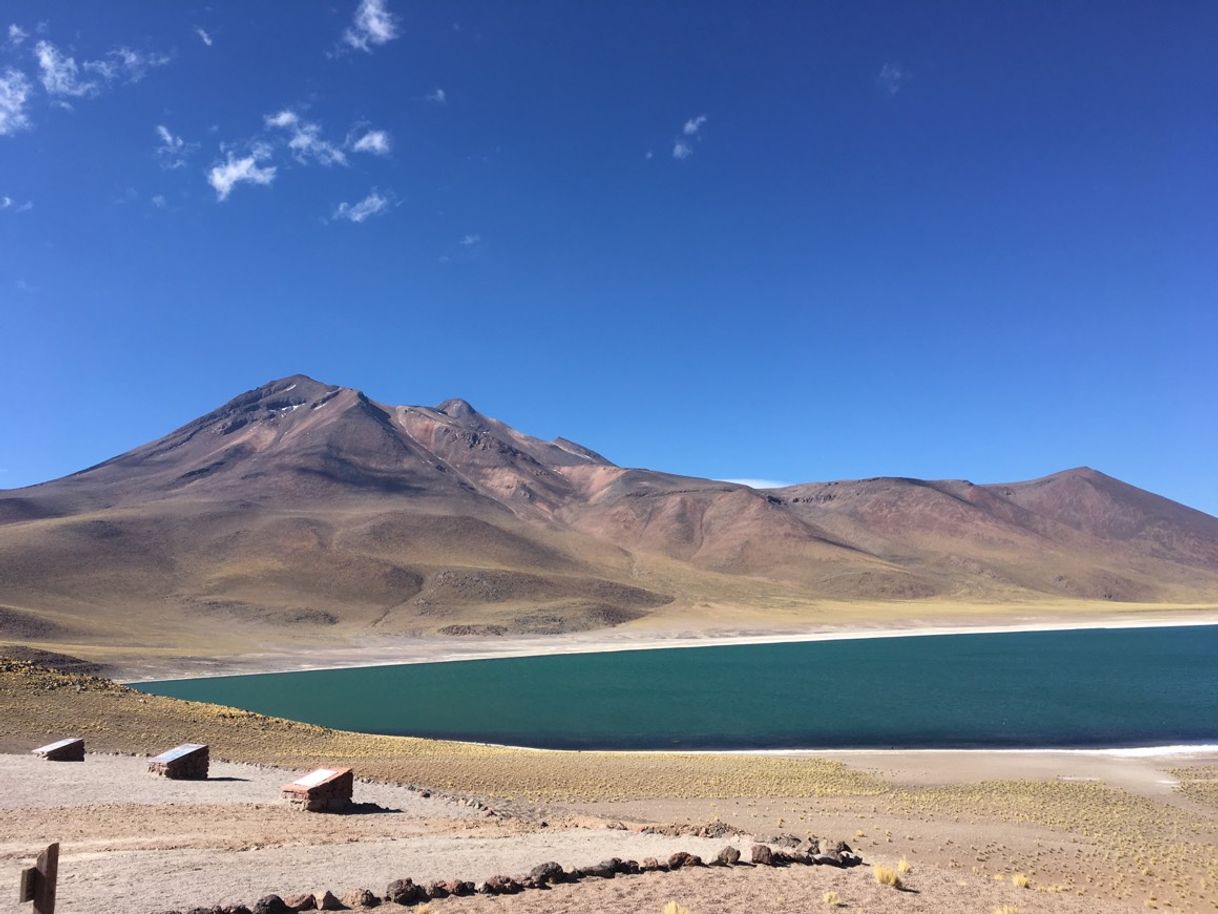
126	65
62	76
173	151
470	240
306	141
693	125
159	201
439	97
16	35
224	176
9	205
691	133
374	141
14	93
373	25
759	483
203	34
371	205
892	78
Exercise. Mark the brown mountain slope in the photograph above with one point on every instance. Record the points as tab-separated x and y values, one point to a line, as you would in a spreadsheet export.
299	509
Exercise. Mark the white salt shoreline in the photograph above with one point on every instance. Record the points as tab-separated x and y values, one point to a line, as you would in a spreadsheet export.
435	651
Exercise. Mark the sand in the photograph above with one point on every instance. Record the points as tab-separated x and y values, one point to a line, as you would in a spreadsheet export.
134	842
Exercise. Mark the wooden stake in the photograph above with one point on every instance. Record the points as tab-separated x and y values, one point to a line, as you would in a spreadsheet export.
38	881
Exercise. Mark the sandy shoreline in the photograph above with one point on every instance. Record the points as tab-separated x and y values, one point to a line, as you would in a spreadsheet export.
420	650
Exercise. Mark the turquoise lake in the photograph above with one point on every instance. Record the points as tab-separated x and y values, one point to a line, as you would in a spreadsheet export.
1094	687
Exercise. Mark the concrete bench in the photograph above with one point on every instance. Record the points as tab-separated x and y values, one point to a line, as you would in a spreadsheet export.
66	750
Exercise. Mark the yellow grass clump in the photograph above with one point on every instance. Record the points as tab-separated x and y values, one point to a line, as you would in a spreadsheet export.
673	908
904	867
886	875
1006	909
831	898
1020	881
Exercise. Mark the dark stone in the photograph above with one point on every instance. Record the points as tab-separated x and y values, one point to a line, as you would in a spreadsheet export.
682	859
270	904
438	889
762	855
459	888
652	865
404	891
604	870
729	856
547	873
300	902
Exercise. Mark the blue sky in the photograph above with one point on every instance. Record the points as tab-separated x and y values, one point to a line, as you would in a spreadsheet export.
780	241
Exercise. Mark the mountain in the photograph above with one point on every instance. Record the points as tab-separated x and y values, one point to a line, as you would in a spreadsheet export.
301	509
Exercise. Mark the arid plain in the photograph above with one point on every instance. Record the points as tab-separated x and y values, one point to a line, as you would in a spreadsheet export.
305	525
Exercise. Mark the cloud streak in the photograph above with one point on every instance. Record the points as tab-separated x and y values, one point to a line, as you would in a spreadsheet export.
62	76
370	206
172	151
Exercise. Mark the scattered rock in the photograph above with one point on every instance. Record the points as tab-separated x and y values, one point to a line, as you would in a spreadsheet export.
652	865
500	885
459	887
300	903
326	901
404	891
270	904
729	856
762	855
682	859
604	870
361	898
438	889
547	873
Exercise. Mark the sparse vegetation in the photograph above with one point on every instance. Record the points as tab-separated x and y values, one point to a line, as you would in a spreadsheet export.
1020	881
831	898
1006	909
673	908
886	875
904	867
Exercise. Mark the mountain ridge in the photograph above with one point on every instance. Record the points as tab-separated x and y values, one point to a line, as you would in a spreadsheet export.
299	507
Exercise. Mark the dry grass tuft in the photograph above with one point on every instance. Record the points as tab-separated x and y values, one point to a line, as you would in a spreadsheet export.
831	898
904	867
1006	909
1020	881
673	908
886	875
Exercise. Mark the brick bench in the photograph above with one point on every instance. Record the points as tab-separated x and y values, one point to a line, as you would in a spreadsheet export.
187	762
323	790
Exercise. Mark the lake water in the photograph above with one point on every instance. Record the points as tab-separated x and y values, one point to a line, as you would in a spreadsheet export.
1097	687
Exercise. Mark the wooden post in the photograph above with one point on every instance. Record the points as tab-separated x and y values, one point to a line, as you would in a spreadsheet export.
38	881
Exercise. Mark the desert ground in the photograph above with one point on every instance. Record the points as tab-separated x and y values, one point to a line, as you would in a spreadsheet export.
1091	831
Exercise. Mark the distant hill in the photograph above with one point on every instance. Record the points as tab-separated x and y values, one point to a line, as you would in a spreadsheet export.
301	508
